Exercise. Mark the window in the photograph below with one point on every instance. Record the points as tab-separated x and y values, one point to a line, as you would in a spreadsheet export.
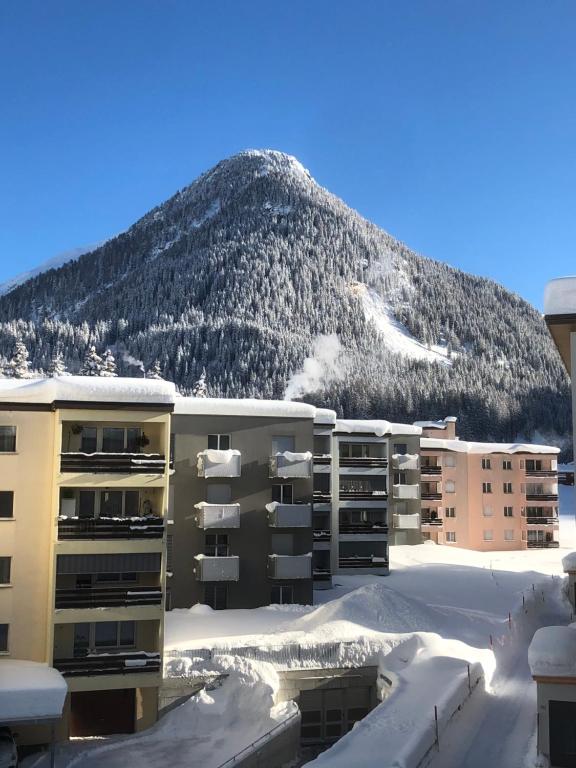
487	511
486	464
449	460
89	440
282	443
219	493
4	638
169	551
7	440
116	578
219	442
119	503
451	537
450	486
486	487
400	478
506	464
488	535
114	634
5	570
507	487
533	465
354	450
6	504
282	594
216	596
87	504
508	512
401	448
216	545
113	439
509	535
450	512
283	493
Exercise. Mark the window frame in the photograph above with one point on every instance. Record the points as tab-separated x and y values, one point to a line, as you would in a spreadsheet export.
219	436
288	588
508	512
283	495
3	559
10	495
14	435
487	487
486	463
221	543
450	537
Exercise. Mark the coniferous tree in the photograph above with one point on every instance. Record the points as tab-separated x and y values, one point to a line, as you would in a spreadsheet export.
93	364
155	371
19	365
200	388
57	365
108	364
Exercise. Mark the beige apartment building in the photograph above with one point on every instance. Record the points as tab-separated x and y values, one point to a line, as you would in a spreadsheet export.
83	493
487	496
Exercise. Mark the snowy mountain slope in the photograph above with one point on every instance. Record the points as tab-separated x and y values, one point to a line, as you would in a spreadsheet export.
241	271
53	263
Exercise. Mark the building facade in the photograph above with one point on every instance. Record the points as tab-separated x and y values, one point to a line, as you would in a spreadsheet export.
487	496
84	491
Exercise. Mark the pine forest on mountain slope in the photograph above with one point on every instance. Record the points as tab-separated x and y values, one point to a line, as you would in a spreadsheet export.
242	270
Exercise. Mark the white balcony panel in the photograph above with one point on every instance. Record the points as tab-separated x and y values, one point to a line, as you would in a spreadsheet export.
212	463
217	568
288	464
290	566
407	491
405	461
289	515
407	522
218	515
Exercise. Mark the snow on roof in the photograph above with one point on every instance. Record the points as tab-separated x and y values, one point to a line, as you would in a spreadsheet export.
552	652
569	562
441	424
87	388
325	416
462	446
560	296
30	691
217	406
378	427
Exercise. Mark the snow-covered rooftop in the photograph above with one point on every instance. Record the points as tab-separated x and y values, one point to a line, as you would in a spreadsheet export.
462	446
569	562
378	427
216	406
560	296
552	652
87	388
325	416
30	691
442	424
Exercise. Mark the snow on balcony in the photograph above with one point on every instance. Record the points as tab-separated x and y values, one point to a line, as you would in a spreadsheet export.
218	515
213	463
290	566
289	464
406	491
217	568
289	515
405	461
407	522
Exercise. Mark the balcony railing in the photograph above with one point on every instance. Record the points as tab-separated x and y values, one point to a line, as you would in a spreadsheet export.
109	664
427	520
364	461
541	496
124	463
322	458
430	495
363	562
289	515
108	597
541	473
364	528
322	574
543	544
90	528
290	566
362	495
540	520
424	470
322	497
224	568
288	464
218	515
406	491
213	463
407	522
323	534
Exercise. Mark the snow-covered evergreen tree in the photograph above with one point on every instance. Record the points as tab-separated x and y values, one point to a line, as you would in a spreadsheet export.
93	364
57	365
200	388
109	364
155	371
19	365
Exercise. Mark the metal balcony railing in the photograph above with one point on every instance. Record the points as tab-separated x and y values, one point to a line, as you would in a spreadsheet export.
91	528
541	473
424	470
427	520
541	520
364	461
543	544
362	494
112	663
108	597
124	463
363	562
365	528
322	534
430	495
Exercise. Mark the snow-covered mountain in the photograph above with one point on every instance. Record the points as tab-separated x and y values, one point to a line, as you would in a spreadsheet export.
243	270
52	263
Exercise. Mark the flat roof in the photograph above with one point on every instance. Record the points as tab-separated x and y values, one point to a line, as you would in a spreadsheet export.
220	406
30	691
90	389
462	446
378	427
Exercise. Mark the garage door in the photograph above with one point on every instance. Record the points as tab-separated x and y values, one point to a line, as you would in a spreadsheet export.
327	714
562	733
97	713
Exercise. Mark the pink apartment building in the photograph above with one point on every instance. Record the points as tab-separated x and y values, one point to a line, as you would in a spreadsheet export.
487	496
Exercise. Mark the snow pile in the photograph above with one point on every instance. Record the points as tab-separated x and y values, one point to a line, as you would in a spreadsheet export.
436	424
569	563
215	406
560	296
325	416
87	388
378	427
30	690
552	652
462	446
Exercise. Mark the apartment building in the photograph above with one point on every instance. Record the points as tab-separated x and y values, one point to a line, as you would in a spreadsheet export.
82	499
241	503
487	496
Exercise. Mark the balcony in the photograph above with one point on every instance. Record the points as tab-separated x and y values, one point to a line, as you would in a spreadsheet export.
322	458
541	492
288	464
322	534
109	664
289	515
406	491
543	544
362	495
109	463
405	461
322	497
221	568
93	528
372	561
430	470
213	463
428	495
541	473
290	566
218	515
407	522
108	597
322	574
375	529
541	520
541	496
428	520
364	462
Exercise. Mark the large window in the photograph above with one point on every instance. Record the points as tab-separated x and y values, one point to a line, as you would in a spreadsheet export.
283	443
4	638
219	442
534	465
6	504
283	493
7	439
282	594
104	635
5	563
216	545
354	450
216	596
108	504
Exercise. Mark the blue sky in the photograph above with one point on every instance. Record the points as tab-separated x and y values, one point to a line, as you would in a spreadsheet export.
449	123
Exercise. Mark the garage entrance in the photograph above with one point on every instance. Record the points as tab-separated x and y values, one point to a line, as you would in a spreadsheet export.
99	713
327	714
562	719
